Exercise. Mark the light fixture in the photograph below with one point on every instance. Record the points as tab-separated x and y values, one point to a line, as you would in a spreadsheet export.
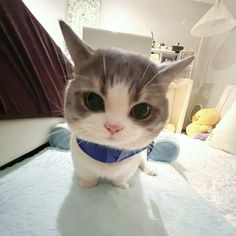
216	21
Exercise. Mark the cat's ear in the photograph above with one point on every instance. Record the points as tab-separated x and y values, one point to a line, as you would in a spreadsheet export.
79	51
168	71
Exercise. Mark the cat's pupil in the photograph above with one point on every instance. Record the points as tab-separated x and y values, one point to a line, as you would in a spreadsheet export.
93	101
140	111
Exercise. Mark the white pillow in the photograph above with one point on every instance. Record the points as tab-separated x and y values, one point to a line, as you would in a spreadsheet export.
224	135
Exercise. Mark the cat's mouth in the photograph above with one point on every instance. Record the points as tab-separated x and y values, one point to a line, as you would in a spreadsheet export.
111	138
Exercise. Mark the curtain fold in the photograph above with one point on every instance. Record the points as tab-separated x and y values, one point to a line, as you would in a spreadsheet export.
33	69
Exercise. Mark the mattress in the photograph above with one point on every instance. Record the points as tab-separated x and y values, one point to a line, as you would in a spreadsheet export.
211	172
21	136
40	196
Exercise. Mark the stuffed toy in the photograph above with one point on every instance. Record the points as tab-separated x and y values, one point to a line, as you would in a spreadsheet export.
170	127
203	121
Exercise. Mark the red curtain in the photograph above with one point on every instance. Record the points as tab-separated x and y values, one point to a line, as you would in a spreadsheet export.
33	69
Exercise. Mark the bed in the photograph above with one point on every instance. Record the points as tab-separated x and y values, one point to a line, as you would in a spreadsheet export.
210	171
24	135
40	196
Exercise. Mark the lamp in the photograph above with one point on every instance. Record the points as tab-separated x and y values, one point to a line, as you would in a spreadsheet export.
216	21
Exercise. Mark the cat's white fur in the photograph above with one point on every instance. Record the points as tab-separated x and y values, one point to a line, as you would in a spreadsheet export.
90	170
130	137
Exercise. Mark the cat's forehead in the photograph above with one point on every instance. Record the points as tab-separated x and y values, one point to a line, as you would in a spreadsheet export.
109	67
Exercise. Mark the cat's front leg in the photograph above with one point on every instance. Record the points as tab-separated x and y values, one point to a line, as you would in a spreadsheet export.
144	166
85	183
123	185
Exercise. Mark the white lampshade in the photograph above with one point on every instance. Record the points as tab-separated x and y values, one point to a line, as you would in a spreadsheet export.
216	21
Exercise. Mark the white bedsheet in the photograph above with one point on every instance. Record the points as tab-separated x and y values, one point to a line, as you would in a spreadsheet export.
40	197
211	172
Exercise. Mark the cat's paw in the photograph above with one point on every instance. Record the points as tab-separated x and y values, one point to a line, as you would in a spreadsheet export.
151	172
87	183
121	185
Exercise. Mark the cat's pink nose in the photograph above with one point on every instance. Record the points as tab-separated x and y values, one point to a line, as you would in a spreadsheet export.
113	128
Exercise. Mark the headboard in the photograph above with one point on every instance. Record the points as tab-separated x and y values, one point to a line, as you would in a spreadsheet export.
227	98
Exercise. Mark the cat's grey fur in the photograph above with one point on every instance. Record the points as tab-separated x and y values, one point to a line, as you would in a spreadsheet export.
101	71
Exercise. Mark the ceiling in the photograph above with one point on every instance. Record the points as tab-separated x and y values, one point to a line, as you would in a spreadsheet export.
230	4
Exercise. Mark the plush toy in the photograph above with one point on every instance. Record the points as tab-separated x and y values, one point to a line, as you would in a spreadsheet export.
203	121
201	136
170	127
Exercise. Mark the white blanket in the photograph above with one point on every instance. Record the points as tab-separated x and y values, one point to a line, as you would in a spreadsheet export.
211	172
40	197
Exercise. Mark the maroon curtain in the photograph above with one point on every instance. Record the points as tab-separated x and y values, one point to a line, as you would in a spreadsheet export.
33	69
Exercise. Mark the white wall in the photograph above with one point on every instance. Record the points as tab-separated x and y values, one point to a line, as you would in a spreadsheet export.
220	56
48	12
217	65
170	20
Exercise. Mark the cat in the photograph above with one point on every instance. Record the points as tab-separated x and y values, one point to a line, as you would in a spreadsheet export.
116	99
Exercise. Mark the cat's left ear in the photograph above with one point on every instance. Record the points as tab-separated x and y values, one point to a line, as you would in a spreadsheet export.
80	52
168	72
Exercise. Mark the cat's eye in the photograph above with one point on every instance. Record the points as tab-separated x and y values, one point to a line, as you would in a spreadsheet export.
140	111
93	101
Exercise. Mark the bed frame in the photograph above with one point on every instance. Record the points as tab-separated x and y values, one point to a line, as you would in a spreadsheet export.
21	136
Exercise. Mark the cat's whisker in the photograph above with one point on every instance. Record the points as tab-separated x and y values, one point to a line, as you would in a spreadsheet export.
149	81
145	71
83	77
104	65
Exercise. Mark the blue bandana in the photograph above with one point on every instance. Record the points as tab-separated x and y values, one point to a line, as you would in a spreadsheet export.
108	154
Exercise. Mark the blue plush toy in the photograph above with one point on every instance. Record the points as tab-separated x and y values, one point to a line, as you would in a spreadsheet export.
60	136
165	146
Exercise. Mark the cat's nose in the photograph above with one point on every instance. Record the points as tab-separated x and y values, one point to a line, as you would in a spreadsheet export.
113	128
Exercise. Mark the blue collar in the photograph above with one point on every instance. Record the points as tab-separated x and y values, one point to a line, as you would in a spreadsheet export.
107	154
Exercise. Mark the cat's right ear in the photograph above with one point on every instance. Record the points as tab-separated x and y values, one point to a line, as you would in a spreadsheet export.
80	52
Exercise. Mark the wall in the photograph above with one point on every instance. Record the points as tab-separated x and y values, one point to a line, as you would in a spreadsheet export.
222	65
170	20
48	12
217	67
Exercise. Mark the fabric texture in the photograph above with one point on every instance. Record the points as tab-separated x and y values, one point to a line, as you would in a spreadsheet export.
108	154
224	135
33	69
211	172
41	197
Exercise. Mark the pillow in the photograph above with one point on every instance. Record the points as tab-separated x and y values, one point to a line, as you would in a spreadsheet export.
224	135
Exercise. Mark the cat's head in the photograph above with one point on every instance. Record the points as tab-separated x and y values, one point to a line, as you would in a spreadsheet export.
116	98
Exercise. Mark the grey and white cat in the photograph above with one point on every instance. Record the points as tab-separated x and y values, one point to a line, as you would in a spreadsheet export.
118	99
